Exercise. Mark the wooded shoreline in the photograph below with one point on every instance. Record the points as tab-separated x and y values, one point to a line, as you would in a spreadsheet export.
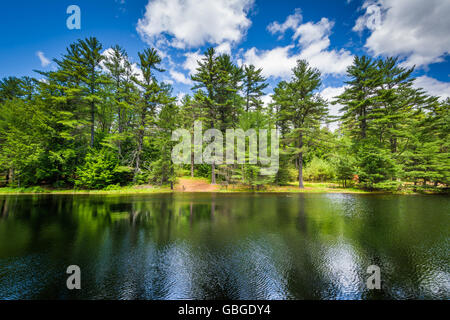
95	124
208	188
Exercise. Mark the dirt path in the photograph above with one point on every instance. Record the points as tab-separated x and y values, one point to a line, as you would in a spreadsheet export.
195	185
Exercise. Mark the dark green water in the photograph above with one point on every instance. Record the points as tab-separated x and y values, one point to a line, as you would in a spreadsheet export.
225	246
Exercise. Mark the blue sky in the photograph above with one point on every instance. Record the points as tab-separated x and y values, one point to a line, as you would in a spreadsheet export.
269	34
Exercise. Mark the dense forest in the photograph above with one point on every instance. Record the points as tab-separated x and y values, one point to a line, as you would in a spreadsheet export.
94	123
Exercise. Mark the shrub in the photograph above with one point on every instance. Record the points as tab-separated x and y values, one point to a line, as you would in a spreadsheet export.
98	171
375	166
319	170
123	175
345	168
181	172
112	187
285	172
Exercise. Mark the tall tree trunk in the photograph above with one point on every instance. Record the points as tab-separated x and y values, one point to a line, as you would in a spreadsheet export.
92	124
393	145
192	156
11	176
300	162
137	169
213	165
138	154
248	101
363	123
120	133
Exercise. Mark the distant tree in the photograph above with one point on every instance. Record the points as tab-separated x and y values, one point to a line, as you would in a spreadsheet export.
254	85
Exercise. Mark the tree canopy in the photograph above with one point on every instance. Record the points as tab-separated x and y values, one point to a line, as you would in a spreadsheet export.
95	122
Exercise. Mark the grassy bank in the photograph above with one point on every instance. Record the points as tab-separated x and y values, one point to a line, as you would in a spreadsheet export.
121	190
187	184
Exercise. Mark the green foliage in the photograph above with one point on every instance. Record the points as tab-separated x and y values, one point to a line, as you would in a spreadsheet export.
319	170
286	172
94	123
99	171
254	178
374	166
345	168
300	111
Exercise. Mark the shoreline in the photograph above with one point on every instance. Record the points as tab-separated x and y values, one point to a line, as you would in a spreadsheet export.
202	185
156	191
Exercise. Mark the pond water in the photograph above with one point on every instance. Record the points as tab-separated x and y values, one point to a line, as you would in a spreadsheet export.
224	246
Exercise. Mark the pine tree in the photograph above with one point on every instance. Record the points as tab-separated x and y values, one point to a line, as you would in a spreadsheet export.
359	97
254	84
10	88
191	111
301	108
85	59
394	103
208	78
122	90
149	61
168	121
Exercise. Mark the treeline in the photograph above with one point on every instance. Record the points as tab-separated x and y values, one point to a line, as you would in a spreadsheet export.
96	123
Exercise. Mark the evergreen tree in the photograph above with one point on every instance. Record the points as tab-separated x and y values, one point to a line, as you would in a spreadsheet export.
82	67
360	96
301	108
254	84
122	90
10	88
168	121
208	78
149	61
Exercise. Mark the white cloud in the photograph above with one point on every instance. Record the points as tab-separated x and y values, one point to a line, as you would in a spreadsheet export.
291	22
312	43
180	97
191	63
44	61
330	93
266	99
192	23
314	40
309	33
371	18
223	48
413	29
180	77
433	86
276	62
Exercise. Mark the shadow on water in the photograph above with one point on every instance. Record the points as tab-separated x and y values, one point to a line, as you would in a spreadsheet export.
224	246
